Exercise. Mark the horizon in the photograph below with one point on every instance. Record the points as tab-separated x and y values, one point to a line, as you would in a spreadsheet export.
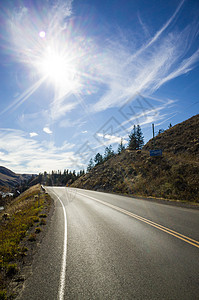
76	77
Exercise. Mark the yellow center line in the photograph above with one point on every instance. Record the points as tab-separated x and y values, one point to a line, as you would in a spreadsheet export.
156	225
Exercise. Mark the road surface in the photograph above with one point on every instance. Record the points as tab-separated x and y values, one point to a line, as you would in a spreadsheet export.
104	246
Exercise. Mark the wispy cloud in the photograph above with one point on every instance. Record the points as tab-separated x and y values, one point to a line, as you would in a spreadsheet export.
111	139
25	155
65	123
148	115
184	67
143	25
60	108
158	33
145	70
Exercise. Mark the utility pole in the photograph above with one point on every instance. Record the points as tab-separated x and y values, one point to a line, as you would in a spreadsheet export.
153	128
157	152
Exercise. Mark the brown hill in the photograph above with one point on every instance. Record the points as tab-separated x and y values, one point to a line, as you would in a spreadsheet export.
182	138
175	175
10	179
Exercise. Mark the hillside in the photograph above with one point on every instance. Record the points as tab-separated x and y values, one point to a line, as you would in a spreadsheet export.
182	138
175	175
22	227
10	179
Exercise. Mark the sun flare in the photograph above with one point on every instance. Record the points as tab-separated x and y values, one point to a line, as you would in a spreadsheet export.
58	67
58	57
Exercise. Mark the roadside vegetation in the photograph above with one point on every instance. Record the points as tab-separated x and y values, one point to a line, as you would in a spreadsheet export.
23	215
136	173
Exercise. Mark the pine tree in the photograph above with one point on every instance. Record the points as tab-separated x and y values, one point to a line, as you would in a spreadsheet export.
133	139
98	159
121	147
136	138
108	152
90	165
140	138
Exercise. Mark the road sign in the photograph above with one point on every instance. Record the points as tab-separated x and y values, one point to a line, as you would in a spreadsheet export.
156	152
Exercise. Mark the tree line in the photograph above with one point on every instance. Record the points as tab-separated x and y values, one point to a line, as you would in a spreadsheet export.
58	178
54	178
136	142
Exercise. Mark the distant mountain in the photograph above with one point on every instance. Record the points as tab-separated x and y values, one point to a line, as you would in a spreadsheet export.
10	179
175	175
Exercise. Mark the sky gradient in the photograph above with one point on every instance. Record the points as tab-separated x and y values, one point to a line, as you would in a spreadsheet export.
75	76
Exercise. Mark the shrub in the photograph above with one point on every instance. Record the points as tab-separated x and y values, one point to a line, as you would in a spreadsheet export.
32	237
11	270
42	215
35	219
43	222
37	230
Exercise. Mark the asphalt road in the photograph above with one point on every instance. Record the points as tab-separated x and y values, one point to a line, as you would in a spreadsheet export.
103	246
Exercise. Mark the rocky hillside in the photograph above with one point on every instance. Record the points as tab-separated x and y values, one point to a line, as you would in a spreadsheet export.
175	175
10	179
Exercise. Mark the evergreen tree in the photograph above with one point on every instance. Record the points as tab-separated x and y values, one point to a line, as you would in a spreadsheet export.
140	137
108	152
90	165
121	147
49	180
133	139
81	173
98	159
136	138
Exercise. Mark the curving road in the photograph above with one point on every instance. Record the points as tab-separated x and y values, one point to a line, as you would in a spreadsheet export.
104	246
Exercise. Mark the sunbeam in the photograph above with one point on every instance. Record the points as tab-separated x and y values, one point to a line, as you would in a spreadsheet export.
22	98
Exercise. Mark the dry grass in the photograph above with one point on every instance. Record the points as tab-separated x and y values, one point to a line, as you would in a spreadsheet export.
19	217
136	173
181	139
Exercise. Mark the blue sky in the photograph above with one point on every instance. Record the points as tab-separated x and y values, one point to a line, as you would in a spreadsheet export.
75	76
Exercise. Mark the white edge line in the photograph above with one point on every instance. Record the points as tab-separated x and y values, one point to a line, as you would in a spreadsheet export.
63	267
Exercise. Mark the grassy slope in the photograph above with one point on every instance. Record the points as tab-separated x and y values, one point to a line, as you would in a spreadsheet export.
139	174
20	216
173	176
182	138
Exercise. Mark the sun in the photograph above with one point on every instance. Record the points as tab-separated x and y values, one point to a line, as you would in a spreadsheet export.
53	65
59	67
